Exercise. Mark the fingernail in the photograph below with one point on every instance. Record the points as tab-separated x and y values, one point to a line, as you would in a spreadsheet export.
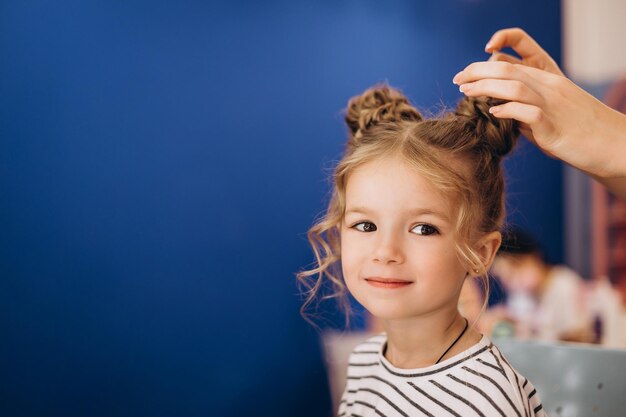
488	46
494	110
465	88
455	80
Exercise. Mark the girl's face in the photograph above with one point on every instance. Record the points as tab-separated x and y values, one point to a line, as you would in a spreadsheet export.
397	242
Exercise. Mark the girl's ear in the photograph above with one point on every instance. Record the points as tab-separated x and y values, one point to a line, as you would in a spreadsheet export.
487	247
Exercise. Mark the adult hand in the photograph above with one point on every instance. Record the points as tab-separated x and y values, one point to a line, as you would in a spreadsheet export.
562	119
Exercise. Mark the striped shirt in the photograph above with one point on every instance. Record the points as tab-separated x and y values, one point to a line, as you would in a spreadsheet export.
476	382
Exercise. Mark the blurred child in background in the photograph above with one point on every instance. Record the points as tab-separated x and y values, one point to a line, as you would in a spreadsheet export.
544	301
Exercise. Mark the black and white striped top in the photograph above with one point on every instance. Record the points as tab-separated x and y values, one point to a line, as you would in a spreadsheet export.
477	382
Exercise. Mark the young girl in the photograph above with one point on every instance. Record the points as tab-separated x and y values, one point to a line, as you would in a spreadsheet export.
417	208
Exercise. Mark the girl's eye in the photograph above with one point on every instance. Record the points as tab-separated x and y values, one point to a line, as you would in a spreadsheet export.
365	227
425	229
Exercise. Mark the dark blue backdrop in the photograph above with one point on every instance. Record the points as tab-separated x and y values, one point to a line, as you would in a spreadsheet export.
160	163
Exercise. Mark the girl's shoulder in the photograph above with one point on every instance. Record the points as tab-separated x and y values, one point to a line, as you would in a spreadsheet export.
496	376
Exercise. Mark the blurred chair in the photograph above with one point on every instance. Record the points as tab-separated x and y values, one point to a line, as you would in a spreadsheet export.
573	379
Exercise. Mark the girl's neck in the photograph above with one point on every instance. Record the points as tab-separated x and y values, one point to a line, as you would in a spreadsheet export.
419	342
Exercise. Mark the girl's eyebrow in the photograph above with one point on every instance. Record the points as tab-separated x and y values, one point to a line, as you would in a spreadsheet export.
417	211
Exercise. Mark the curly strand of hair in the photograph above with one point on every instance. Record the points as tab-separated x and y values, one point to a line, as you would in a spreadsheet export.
326	259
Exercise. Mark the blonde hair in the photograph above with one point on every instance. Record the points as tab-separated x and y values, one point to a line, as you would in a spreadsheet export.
383	123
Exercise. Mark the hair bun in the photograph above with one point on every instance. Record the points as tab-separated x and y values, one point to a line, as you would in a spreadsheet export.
378	104
497	136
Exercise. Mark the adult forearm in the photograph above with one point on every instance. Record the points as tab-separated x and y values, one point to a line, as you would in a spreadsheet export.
609	156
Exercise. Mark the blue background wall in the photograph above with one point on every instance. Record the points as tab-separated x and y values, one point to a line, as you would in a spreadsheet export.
160	163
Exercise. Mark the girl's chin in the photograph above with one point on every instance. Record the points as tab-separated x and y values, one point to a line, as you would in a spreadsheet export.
391	314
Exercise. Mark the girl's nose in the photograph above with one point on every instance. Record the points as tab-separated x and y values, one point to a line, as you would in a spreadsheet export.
389	250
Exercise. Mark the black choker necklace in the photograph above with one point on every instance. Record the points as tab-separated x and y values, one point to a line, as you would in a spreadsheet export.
453	343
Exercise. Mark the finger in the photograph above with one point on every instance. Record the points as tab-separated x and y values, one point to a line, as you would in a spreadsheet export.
502	57
502	89
516	38
530	119
531	52
538	80
533	78
525	113
545	77
489	69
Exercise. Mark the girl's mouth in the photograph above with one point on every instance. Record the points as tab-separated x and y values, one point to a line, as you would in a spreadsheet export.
388	283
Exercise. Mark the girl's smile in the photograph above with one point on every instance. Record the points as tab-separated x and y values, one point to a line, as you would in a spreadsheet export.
388	283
